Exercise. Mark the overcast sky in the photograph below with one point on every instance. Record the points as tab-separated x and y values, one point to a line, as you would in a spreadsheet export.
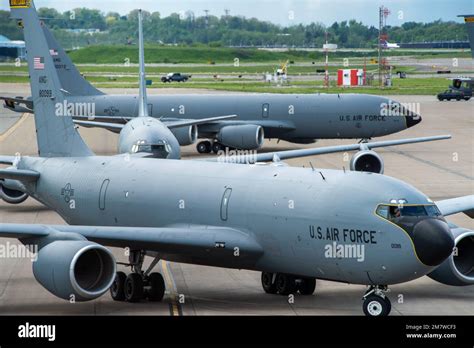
284	12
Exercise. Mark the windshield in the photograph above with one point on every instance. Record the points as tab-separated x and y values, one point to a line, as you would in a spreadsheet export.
391	212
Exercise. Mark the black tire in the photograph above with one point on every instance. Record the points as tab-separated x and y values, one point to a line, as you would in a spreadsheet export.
458	98
307	286
134	287
448	99
268	286
157	287
216	147
467	98
204	147
117	290
376	306
285	284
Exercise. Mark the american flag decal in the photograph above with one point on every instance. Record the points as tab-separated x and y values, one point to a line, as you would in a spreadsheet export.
38	63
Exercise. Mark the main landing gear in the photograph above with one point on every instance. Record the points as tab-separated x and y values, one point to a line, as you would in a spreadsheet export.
208	147
376	303
138	285
285	284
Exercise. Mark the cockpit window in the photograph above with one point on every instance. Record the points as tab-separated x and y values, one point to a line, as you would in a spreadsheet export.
159	150
391	212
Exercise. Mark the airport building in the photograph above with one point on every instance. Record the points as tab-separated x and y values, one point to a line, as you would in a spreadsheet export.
11	48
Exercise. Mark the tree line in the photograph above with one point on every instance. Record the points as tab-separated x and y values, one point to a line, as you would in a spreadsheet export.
189	29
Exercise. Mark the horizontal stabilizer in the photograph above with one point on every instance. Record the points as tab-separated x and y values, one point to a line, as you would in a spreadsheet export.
10	101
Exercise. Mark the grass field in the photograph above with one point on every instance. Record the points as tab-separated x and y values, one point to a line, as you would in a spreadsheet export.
164	54
107	66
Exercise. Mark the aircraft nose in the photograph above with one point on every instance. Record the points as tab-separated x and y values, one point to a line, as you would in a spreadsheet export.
433	241
412	120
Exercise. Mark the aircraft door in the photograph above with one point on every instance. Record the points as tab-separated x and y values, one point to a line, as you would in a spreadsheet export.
265	110
225	204
103	194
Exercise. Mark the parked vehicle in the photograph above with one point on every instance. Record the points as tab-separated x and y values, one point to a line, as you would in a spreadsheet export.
175	77
454	94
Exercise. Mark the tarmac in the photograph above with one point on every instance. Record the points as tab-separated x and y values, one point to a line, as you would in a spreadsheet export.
441	170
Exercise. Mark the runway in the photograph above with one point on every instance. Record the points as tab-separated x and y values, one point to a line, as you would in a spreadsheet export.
441	170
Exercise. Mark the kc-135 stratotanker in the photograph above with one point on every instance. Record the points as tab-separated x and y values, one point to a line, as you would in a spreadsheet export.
295	225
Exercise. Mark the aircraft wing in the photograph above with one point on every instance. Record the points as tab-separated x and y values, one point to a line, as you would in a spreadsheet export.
456	205
104	118
9	101
19	174
280	155
176	123
186	240
115	127
7	159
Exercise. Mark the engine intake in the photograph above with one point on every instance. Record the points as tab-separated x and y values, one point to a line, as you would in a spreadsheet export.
185	135
243	137
458	269
367	161
12	196
80	268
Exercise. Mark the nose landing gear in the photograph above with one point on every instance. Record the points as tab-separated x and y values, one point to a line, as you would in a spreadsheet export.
376	303
138	285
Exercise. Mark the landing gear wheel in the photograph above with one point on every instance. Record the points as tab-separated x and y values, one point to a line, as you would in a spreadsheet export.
117	290
204	147
285	284
134	287
307	286
157	287
216	147
376	306
267	283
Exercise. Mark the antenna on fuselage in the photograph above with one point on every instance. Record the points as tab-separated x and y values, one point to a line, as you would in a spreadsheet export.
143	102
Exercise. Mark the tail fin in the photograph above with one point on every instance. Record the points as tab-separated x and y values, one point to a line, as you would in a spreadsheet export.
469	20
143	103
55	133
71	79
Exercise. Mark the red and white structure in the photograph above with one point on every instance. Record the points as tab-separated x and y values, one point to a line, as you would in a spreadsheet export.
351	77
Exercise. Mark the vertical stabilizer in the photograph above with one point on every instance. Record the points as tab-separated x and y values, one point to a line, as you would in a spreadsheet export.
142	98
55	131
69	76
469	20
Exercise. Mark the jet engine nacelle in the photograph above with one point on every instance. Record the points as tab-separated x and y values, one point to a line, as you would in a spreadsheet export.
458	269
82	269
367	161
244	137
185	135
12	196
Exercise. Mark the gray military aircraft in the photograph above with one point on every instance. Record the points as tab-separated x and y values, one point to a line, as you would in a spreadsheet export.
293	224
144	134
295	118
